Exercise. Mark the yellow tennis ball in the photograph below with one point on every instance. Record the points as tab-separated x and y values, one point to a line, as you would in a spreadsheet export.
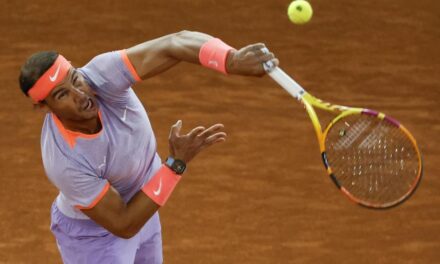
300	12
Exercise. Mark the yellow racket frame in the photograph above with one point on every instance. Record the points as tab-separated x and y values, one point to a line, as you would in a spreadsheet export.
310	102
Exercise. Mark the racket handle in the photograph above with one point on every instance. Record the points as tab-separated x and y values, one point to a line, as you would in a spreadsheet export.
284	80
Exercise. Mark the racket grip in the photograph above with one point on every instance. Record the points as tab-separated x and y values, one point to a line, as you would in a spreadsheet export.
284	80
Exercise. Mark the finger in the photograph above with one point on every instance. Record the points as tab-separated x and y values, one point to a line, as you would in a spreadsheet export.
219	140
258	53
213	139
276	62
259	46
265	50
211	130
266	57
196	131
262	51
175	129
253	47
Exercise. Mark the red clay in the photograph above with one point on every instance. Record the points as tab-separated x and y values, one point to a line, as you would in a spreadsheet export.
263	196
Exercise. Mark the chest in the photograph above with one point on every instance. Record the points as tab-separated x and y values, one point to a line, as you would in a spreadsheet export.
124	149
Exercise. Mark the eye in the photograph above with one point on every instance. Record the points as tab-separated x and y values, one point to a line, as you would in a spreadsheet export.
61	95
75	80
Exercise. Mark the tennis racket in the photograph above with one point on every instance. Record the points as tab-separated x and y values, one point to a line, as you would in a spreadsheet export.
372	158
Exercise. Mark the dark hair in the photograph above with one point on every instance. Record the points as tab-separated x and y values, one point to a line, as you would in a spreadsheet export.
35	66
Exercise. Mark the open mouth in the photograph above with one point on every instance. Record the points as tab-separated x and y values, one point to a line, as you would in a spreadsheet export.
88	105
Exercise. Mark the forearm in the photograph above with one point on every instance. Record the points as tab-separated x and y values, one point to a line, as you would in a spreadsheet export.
159	188
120	218
185	45
126	219
190	47
158	55
135	214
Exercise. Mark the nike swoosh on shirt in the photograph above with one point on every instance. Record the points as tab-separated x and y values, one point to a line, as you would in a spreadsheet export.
157	192
54	77
125	114
103	164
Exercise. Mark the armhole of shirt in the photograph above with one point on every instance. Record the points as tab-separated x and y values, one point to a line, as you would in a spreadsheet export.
129	65
96	200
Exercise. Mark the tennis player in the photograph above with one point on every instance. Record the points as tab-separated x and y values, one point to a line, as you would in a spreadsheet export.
99	150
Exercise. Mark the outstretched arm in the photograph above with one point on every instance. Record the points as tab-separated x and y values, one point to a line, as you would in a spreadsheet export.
158	55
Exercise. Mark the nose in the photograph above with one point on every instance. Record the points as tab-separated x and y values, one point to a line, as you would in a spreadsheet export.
79	91
80	95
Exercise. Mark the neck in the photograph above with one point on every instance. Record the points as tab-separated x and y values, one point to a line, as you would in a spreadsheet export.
88	126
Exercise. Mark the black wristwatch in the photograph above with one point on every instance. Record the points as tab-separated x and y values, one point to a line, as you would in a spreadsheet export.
176	165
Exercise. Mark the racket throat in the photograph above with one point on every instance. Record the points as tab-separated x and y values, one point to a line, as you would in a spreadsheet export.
327	167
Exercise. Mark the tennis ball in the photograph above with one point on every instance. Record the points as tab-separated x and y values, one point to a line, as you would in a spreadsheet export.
300	12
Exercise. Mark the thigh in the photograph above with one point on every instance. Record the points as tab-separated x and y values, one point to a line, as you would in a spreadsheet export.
150	251
117	251
84	242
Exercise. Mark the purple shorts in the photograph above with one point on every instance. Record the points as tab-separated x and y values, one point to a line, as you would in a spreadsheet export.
85	242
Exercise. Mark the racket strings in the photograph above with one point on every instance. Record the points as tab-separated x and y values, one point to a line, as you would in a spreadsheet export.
372	159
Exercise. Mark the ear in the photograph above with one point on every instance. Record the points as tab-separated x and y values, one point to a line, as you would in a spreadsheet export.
42	107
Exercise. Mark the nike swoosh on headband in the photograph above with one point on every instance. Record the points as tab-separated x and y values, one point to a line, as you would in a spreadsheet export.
54	77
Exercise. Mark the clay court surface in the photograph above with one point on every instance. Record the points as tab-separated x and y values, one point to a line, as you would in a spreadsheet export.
263	196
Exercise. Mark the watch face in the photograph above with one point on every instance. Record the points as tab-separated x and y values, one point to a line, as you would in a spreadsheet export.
179	166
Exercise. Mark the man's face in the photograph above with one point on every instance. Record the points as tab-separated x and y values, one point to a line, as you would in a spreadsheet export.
73	99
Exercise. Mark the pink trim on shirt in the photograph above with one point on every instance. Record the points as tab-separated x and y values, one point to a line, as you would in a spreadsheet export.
97	199
70	136
129	65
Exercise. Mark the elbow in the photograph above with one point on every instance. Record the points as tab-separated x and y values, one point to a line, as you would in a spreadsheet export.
125	235
123	230
183	33
182	37
178	39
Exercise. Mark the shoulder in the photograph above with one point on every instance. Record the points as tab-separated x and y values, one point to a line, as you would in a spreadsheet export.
110	74
110	66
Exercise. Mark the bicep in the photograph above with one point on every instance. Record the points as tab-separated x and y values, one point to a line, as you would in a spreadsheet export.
108	211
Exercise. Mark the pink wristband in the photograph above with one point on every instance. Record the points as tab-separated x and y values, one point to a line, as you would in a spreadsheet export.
160	187
213	54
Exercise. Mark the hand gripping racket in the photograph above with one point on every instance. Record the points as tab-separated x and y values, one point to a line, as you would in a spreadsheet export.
371	157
